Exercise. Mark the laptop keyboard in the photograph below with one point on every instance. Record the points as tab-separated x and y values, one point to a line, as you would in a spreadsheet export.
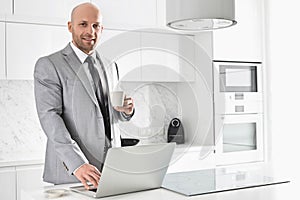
93	189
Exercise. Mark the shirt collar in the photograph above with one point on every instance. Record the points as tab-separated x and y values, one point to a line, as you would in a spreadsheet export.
80	54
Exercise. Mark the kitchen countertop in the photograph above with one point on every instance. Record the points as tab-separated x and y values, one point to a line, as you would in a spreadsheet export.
270	192
32	158
21	158
274	192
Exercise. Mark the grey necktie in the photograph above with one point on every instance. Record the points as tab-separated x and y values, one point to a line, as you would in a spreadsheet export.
101	95
95	76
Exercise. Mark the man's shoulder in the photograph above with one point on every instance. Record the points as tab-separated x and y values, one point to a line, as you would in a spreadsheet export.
51	59
58	54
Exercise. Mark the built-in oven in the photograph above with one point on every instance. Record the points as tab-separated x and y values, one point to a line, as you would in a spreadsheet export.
237	87
238	112
238	138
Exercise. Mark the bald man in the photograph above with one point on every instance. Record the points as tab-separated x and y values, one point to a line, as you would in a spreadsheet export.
71	92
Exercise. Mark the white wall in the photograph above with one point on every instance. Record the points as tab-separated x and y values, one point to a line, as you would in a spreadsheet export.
44	35
282	61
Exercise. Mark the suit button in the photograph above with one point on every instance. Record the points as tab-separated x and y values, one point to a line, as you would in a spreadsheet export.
65	166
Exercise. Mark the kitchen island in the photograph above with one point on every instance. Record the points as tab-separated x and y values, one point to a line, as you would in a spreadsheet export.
274	192
223	178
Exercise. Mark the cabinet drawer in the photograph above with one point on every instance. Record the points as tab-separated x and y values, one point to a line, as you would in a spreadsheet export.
33	173
8	183
2	50
128	14
36	41
6	7
45	9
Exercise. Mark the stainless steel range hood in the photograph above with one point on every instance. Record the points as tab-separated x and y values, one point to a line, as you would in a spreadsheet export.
199	15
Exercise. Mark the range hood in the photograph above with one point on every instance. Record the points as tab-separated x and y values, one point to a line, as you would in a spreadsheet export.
199	15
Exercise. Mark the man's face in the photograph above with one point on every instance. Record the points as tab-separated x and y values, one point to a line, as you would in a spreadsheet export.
86	28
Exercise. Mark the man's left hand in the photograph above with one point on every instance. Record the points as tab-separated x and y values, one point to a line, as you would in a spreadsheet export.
127	107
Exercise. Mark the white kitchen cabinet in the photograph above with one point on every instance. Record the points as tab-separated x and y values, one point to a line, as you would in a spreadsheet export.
2	50
27	42
6	7
167	57
45	9
243	41
8	183
29	177
192	158
123	47
142	56
128	14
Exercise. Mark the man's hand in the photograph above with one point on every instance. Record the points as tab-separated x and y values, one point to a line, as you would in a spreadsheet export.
127	107
88	173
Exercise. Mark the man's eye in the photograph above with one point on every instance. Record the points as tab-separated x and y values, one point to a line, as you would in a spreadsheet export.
82	24
96	26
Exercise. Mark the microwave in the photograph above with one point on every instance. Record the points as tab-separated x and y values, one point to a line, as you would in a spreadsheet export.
237	87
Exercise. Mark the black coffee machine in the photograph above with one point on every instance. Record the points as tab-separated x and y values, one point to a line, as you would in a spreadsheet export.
129	141
175	131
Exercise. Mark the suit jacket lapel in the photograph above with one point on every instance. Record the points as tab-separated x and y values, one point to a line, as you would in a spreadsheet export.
78	69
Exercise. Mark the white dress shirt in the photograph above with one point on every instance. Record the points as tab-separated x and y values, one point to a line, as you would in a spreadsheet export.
82	56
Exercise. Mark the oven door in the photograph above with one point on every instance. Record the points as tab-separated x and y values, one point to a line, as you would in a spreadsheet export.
238	138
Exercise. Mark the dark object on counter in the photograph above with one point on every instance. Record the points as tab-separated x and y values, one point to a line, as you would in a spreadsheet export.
129	142
175	131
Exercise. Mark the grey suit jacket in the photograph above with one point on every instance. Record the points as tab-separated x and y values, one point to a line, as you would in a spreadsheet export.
70	115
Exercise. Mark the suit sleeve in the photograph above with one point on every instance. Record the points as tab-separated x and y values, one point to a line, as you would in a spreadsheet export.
49	104
120	115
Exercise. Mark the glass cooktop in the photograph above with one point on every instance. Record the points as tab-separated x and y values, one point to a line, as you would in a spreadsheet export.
216	180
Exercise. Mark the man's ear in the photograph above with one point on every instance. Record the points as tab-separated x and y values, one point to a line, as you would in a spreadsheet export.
70	26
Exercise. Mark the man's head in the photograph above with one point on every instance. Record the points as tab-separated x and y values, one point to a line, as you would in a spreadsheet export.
86	27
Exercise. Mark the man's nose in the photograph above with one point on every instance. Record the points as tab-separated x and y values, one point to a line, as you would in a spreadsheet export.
90	29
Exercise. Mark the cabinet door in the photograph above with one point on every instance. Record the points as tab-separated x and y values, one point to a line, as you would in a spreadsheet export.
29	174
6	7
243	41
127	14
192	158
45	9
123	47
36	41
8	183
167	57
2	50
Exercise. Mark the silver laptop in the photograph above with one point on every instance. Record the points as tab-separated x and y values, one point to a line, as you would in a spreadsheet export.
132	169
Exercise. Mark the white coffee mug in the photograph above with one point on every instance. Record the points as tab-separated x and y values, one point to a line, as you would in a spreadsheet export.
117	98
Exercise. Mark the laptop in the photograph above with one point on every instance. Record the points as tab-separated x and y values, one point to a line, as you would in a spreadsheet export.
132	169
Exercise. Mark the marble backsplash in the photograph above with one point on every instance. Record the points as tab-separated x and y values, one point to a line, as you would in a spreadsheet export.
20	131
156	104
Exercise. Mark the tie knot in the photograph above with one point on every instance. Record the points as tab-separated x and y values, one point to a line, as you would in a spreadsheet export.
90	60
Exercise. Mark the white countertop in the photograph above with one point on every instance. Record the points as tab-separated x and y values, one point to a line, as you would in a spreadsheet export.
271	192
275	192
21	158
32	158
